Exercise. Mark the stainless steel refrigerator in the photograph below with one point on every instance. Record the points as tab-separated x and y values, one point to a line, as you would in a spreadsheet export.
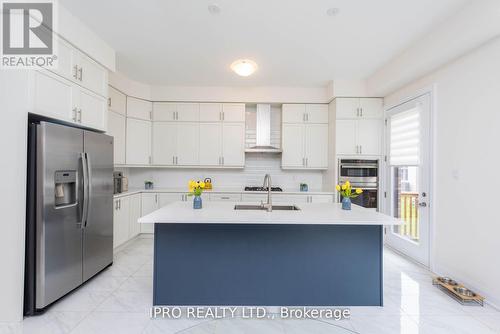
69	230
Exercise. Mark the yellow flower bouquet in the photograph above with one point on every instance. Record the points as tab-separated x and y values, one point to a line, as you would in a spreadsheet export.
196	189
347	192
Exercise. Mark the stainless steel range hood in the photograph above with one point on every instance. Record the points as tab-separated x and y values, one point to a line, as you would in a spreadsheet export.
263	131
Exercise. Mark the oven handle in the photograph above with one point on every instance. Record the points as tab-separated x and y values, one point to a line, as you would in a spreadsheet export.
357	166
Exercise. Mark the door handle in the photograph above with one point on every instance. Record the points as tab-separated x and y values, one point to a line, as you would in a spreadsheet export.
75	112
84	206
109	102
79	114
422	204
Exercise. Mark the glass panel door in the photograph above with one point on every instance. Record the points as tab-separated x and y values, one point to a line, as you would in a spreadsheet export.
408	175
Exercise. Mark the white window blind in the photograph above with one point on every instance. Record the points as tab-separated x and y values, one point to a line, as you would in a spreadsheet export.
405	138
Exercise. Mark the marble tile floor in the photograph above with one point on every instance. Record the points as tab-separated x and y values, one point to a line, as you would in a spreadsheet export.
119	299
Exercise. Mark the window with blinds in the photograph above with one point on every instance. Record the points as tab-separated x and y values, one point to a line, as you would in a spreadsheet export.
405	138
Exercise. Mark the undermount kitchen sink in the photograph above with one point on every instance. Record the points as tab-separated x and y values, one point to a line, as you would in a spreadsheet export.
261	207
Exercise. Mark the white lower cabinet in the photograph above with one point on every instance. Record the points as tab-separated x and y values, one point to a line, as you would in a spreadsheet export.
154	201
134	215
121	224
149	204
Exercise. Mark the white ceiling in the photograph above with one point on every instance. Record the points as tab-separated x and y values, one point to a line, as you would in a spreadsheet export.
294	42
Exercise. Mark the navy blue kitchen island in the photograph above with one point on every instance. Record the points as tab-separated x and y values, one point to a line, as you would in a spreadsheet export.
319	256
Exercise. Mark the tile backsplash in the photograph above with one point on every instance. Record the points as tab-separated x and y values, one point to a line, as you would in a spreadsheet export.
256	166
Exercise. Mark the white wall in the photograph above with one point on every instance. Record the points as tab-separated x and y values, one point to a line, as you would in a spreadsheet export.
73	30
467	158
470	27
270	94
128	86
13	138
256	166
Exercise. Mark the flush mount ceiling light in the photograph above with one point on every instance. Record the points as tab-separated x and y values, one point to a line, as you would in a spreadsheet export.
244	67
214	9
332	11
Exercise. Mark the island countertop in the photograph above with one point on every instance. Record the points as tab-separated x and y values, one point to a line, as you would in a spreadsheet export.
224	213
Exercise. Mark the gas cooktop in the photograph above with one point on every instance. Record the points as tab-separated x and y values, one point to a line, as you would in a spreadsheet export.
262	189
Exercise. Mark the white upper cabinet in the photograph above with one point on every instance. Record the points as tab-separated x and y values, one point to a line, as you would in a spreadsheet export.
172	112
175	144
188	112
139	109
52	96
316	146
370	137
346	137
117	101
57	97
164	143
317	113
222	144
305	113
293	113
91	75
138	148
356	108
187	144
305	146
359	137
233	144
347	108
233	112
74	65
92	109
371	107
117	124
293	155
305	136
222	112
164	111
210	147
210	112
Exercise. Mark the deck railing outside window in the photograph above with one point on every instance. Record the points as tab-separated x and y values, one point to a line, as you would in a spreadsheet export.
408	212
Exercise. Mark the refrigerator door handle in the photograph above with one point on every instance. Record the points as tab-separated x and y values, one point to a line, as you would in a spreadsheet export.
89	186
84	212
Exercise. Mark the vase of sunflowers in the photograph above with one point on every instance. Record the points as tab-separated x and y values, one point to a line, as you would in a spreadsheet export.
196	189
347	192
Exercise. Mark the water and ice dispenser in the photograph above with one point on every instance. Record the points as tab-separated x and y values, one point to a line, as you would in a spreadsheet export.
65	188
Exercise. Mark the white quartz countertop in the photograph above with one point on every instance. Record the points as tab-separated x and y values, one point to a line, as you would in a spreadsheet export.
221	191
309	214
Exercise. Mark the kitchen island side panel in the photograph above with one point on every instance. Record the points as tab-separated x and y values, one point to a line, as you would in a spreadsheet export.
267	265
